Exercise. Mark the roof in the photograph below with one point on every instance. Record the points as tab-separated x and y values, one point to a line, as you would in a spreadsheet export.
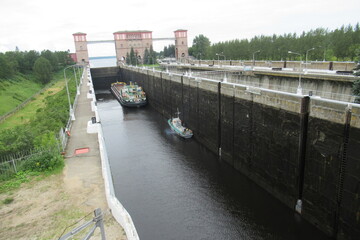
133	31
79	33
180	30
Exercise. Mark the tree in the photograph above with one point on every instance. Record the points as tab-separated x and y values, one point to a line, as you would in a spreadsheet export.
7	67
356	85
132	57
128	58
146	56
152	55
43	70
52	57
200	46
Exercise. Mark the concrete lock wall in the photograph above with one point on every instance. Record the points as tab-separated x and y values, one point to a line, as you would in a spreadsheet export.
295	147
324	65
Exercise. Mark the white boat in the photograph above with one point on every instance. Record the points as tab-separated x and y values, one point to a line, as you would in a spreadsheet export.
177	126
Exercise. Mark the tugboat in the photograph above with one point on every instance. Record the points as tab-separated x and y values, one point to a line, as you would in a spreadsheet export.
130	95
176	125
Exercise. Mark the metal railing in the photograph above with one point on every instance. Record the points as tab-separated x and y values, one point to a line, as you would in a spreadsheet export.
97	222
236	78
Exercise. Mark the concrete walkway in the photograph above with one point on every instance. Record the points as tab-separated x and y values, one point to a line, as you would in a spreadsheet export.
82	173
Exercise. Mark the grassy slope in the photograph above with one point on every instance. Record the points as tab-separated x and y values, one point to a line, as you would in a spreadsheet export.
16	90
25	114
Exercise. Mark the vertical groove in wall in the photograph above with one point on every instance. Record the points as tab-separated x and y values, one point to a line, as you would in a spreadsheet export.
219	119
342	168
233	127
304	118
182	98
171	98
197	108
162	97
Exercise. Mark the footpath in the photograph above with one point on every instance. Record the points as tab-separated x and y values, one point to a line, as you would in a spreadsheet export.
83	172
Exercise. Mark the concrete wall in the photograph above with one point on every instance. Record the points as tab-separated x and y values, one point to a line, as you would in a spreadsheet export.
295	147
336	66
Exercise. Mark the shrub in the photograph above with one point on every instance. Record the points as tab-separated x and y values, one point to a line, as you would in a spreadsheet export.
43	162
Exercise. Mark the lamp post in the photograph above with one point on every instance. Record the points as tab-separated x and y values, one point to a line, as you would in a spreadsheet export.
254	57
299	89
71	110
306	58
220	54
76	82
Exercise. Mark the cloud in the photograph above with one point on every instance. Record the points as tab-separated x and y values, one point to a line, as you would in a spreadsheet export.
43	24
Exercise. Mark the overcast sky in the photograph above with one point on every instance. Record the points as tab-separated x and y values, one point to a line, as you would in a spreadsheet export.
47	24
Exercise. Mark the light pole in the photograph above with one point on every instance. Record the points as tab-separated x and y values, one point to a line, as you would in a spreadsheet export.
76	82
306	58
299	89
220	54
254	57
199	54
71	110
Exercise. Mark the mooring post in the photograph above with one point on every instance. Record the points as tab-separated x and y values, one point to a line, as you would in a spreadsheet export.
304	117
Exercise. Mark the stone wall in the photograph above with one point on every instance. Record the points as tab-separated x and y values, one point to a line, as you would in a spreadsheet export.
295	147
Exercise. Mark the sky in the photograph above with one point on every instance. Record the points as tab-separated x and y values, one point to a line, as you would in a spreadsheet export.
49	24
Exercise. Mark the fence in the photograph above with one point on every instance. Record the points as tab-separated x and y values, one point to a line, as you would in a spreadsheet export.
9	114
12	163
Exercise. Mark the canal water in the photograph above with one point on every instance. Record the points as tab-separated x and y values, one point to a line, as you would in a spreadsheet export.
176	189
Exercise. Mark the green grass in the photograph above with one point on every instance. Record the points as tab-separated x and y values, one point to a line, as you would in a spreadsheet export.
28	112
16	90
8	200
27	176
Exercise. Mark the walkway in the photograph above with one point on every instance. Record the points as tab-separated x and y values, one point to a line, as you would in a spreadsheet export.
82	173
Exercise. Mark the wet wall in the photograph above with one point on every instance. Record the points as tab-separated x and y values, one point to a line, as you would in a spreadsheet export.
295	147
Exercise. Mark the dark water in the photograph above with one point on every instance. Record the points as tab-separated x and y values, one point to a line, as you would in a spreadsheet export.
176	189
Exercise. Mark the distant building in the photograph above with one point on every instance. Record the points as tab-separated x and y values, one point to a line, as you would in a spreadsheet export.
82	56
138	40
181	44
73	57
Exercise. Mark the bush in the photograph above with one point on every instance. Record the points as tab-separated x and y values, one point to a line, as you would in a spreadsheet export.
42	162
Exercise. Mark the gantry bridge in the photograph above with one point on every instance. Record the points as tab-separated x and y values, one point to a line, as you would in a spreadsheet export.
124	41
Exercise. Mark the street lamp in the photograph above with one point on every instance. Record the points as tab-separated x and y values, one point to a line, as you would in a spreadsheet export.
199	54
71	110
299	89
306	58
254	57
220	54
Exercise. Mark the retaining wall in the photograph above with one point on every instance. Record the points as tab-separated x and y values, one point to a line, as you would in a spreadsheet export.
294	146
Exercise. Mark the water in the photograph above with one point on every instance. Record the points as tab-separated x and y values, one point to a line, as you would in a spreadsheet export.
176	189
97	62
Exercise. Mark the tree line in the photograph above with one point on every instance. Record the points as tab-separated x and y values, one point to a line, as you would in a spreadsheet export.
342	44
149	57
42	64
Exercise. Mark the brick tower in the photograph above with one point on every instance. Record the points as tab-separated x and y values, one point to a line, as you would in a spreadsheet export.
181	45
138	40
82	55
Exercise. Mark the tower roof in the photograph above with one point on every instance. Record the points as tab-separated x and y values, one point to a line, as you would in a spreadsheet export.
79	33
134	31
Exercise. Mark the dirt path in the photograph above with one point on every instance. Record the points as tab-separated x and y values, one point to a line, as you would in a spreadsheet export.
42	209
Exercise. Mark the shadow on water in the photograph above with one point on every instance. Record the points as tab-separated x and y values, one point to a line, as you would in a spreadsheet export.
176	189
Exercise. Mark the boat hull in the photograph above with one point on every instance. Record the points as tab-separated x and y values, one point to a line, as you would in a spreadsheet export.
124	103
178	132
